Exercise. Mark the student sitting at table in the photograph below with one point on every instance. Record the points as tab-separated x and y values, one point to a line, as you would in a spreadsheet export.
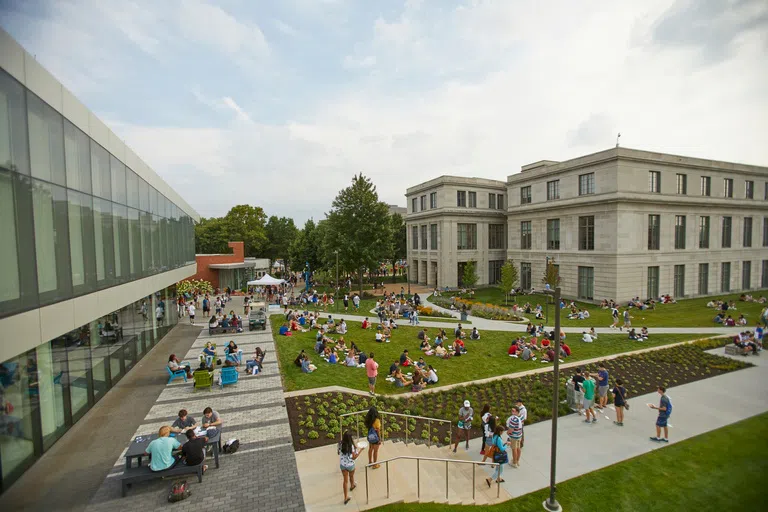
184	422
161	450
193	451
225	322
211	421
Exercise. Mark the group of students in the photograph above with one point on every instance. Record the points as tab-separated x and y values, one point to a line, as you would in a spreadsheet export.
422	373
226	321
441	348
166	451
528	350
750	342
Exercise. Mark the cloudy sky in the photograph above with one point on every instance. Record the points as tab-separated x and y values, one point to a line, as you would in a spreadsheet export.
279	103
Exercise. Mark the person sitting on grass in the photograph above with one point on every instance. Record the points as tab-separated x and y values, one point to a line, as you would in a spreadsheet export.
440	351
527	354
379	337
565	350
593	333
299	358
514	348
422	334
431	375
533	344
643	333
306	365
351	359
418	382
730	322
424	346
342	327
405	359
285	330
400	379
333	358
586	337
341	344
386	333
741	320
549	356
459	333
719	318
421	364
460	343
366	323
475	334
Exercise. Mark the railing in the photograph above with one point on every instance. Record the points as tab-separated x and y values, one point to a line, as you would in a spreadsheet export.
384	413
418	473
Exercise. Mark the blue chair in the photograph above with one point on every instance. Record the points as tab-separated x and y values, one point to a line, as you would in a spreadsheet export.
176	374
229	375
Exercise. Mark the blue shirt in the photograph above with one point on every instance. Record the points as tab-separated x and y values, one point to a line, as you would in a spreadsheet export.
602	378
283	330
209	351
161	450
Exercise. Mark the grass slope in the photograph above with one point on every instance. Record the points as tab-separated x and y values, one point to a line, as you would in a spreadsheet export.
486	358
714	471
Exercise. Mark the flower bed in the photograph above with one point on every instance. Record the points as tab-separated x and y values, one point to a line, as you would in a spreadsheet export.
427	311
314	418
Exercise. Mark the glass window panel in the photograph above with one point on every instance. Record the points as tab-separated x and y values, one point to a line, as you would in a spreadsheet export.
143	195
117	173
54	275
131	188
99	356
156	260
19	388
77	154
121	238
153	200
14	137
9	270
76	239
104	237
146	243
100	173
46	141
51	364
134	242
78	367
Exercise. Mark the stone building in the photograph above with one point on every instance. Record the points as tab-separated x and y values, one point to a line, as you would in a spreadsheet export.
618	223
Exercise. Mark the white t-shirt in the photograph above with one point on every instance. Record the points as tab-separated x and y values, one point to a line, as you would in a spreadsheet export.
191	309
432	377
159	312
586	338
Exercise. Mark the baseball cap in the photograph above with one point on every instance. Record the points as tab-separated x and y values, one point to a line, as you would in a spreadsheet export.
466	403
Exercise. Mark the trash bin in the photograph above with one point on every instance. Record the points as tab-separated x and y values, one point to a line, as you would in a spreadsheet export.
463	316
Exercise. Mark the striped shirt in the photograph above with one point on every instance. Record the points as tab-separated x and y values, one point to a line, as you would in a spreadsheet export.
515	426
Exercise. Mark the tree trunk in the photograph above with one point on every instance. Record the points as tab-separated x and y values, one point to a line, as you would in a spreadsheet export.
361	282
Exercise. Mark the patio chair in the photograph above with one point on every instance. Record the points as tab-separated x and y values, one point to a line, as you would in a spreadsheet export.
176	374
229	375
203	379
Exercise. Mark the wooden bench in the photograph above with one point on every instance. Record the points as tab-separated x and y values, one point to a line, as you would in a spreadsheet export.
144	474
221	330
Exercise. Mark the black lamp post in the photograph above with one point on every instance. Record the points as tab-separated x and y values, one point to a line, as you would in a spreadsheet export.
551	503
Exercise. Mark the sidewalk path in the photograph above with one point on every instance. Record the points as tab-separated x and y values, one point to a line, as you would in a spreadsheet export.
698	407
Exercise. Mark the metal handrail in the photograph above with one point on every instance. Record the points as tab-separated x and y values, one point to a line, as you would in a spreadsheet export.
418	473
382	413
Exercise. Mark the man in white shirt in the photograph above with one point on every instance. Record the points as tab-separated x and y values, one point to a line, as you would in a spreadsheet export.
585	337
159	314
191	309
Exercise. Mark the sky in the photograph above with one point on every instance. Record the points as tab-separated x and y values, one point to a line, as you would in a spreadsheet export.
279	104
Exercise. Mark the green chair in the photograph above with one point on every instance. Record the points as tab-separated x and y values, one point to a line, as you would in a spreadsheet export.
203	379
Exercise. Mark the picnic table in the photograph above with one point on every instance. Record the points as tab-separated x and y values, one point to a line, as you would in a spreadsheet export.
137	448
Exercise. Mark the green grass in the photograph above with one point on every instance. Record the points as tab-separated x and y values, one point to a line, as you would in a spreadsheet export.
719	470
686	313
366	305
486	358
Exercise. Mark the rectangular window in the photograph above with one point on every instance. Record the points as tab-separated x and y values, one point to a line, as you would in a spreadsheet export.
727	187
491	201
766	191
553	234
117	172
496	236
461	198
525	195
586	283
746	275
704	232
423	203
433	237
525	234
679	231
433	200
424	237
587	184
764	278
725	277
703	278
415	237
81	242
654	235
414	204
525	276
467	236
500	201
51	230
747	241
682	184
653	282
473	199
706	186
100	173
749	189
726	235
654	181
77	153
494	271
679	281
765	231
46	141
553	190
587	233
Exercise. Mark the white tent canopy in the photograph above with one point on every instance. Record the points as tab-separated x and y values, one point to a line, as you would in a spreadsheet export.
266	280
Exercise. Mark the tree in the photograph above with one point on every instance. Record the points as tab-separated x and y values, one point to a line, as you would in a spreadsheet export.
469	277
508	278
212	236
399	240
551	275
280	233
304	248
358	227
247	223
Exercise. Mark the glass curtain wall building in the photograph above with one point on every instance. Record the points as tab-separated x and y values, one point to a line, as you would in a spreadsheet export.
90	252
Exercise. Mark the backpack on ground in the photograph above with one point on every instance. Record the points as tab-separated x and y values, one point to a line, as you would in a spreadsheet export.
179	491
231	446
373	436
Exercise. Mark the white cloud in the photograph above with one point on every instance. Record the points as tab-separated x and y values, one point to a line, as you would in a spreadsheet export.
209	24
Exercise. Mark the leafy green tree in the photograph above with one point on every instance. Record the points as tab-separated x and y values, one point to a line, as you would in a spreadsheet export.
304	248
469	277
399	240
359	227
281	233
248	224
509	278
551	275
212	236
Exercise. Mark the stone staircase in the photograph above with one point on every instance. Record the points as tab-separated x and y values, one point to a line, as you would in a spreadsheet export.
321	485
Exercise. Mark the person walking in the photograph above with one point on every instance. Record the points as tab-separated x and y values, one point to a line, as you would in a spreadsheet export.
499	455
627	320
589	398
347	454
515	432
372	370
191	309
602	387
373	424
619	402
578	391
665	409
465	424
488	424
615	316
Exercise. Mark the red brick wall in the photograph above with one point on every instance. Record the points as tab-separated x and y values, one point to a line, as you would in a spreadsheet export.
212	275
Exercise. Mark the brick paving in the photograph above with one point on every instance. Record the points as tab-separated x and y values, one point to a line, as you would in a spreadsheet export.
261	475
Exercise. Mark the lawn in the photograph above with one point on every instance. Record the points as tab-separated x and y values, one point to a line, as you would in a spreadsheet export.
486	357
366	305
686	313
708	472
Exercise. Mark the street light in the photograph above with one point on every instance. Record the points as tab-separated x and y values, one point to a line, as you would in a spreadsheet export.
336	292
551	503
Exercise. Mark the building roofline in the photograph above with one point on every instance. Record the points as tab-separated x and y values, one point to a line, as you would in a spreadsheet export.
456	180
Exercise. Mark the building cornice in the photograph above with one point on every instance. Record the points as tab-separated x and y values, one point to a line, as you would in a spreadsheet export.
457	212
482	183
